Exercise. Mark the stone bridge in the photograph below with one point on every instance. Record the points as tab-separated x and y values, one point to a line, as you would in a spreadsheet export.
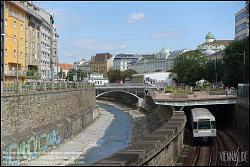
175	100
132	94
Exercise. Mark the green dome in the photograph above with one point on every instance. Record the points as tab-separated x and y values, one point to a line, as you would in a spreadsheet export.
209	36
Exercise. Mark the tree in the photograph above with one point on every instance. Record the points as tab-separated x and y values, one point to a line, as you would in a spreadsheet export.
189	67
114	75
128	74
70	75
235	70
81	74
211	70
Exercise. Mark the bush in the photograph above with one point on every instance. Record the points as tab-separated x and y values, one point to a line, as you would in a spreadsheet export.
169	89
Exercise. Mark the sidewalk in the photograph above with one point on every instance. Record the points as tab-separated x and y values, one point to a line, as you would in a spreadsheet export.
69	151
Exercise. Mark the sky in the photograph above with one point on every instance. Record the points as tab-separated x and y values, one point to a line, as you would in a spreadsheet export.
86	28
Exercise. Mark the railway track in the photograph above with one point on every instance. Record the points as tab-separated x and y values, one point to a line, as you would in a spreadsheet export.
210	154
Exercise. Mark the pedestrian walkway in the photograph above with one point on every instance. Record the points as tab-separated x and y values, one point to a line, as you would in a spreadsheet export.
69	151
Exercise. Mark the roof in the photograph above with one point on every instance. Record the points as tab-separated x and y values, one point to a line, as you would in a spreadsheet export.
201	113
101	57
65	66
218	42
210	36
127	56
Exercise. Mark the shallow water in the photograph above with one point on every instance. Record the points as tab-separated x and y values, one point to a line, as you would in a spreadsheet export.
116	136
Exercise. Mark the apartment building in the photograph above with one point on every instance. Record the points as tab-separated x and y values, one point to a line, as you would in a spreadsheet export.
101	63
122	61
46	45
14	41
241	24
2	40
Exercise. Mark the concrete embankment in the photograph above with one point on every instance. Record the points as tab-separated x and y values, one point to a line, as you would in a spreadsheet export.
157	143
67	152
37	122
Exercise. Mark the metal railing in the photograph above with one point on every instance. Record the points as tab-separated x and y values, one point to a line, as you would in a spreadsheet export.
223	92
14	73
43	86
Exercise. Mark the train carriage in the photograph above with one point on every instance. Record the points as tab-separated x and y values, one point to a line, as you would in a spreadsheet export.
203	124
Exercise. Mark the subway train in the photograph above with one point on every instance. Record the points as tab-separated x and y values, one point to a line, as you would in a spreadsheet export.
203	124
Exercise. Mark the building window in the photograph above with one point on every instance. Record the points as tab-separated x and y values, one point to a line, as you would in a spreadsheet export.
241	27
241	16
15	53
21	27
14	24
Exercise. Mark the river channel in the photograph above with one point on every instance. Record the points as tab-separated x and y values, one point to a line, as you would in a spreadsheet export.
116	137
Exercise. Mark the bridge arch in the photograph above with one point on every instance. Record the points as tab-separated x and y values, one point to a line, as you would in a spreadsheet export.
117	91
124	97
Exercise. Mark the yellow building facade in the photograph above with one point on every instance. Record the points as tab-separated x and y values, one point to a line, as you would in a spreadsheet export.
14	45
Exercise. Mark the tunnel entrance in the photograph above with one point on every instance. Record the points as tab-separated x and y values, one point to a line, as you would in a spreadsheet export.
224	114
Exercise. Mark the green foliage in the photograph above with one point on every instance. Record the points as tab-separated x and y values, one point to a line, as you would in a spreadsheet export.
189	67
79	72
127	74
211	70
114	75
235	71
169	89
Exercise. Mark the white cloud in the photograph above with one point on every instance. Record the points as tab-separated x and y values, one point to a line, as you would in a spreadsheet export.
169	34
135	17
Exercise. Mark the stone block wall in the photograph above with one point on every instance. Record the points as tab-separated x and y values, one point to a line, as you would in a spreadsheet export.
32	123
241	116
161	147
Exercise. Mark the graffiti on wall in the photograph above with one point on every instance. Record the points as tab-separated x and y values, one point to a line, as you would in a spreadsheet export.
29	148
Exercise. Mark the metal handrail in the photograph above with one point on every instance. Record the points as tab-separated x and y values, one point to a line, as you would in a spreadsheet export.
43	86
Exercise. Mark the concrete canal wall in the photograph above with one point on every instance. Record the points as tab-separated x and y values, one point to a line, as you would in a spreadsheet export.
161	147
157	139
33	123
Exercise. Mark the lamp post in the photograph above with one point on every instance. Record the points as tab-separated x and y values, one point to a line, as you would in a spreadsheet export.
244	64
16	57
215	72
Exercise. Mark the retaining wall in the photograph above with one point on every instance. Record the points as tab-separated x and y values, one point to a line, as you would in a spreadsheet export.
160	147
33	123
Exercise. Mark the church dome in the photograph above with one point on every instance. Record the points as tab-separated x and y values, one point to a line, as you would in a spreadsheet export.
209	36
165	51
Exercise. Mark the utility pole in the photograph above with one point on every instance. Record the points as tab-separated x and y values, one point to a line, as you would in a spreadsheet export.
215	72
244	65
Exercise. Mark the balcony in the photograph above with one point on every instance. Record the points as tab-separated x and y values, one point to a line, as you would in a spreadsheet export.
14	73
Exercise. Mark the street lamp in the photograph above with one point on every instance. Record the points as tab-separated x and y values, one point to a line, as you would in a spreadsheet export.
215	70
16	58
244	63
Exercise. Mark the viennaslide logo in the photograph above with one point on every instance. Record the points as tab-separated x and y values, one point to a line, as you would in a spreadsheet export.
234	156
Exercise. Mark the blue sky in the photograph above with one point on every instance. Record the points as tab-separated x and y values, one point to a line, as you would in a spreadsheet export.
87	28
